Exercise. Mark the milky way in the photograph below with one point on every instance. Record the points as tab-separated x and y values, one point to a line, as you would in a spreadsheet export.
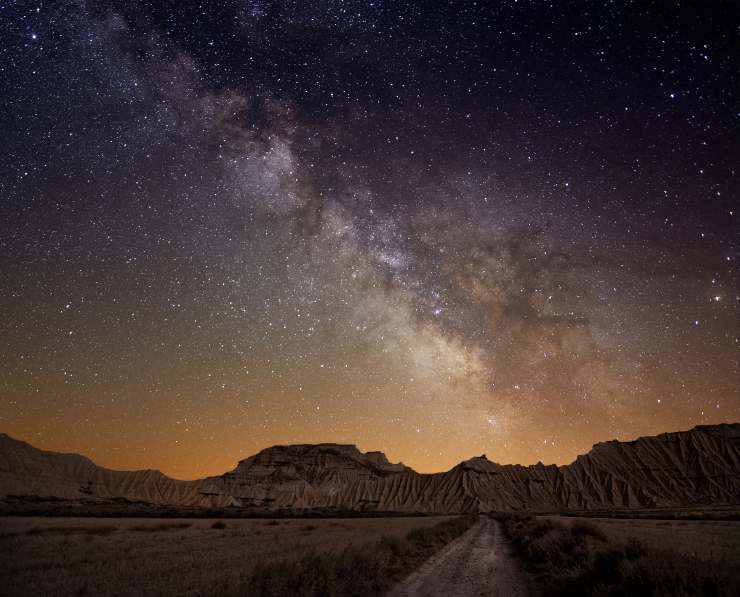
434	230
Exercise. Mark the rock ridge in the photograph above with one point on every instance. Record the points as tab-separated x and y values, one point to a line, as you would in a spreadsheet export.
699	467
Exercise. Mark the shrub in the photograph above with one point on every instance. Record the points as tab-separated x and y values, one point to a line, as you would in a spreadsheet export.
367	571
587	529
580	560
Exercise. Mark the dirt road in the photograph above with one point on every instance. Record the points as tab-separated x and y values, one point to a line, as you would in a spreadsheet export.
477	563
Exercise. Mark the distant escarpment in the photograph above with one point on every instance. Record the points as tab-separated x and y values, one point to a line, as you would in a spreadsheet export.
695	468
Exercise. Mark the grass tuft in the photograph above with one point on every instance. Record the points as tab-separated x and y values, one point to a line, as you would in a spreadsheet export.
368	571
579	559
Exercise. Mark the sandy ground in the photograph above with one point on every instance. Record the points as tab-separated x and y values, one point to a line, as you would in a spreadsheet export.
478	563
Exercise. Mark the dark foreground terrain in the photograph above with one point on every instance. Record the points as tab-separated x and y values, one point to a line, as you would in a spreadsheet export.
513	555
621	557
108	556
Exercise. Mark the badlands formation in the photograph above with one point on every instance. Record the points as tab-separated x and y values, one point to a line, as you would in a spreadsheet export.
695	468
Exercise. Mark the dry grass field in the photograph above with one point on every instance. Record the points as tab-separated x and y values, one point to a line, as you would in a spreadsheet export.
707	540
621	557
125	556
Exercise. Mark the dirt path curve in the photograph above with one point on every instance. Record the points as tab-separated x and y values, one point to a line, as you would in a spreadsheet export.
477	563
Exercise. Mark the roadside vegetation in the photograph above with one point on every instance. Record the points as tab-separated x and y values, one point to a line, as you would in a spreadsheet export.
368	570
129	557
580	559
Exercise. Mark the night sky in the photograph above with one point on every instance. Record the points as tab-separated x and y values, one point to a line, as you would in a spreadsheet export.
436	229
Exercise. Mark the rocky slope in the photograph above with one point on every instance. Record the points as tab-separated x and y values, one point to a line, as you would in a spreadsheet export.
696	468
25	470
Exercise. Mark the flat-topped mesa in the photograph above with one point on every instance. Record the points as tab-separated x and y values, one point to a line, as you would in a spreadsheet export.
310	462
307	476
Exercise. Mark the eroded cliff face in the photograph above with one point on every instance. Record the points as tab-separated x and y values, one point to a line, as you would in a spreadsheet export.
25	470
701	466
305	476
691	468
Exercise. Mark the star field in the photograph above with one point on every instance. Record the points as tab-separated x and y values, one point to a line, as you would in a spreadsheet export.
433	229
